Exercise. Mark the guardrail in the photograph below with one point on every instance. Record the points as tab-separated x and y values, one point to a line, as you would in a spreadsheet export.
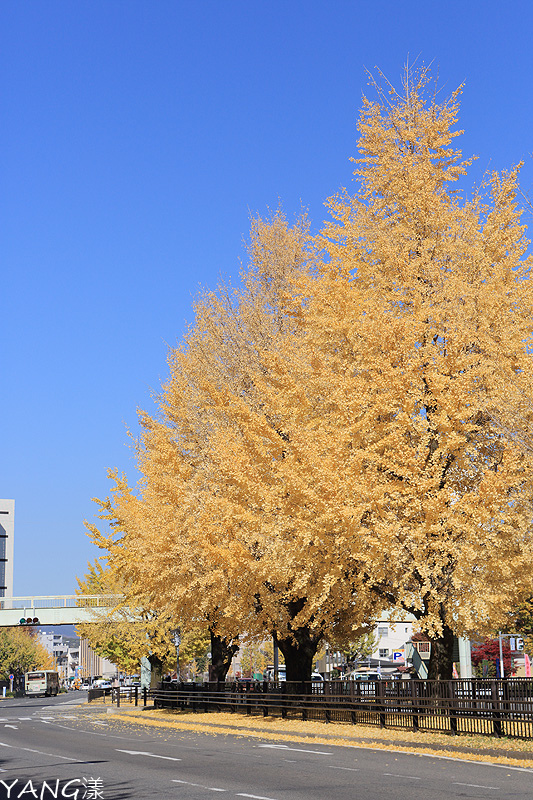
490	707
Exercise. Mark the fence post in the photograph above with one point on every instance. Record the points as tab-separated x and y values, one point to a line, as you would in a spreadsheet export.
379	694
144	695
496	708
327	695
352	700
118	696
414	686
136	695
304	691
283	688
265	702
451	708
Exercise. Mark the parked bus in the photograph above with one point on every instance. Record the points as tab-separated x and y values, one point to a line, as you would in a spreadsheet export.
43	682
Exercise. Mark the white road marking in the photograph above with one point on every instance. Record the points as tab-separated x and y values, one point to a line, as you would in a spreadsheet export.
68	703
151	755
349	769
200	786
474	785
397	775
40	752
290	761
22	719
254	796
293	750
15	727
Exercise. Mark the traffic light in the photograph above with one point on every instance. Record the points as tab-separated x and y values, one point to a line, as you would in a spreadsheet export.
29	621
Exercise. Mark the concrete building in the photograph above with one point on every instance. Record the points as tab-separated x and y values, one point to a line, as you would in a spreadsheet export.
92	665
7	532
66	653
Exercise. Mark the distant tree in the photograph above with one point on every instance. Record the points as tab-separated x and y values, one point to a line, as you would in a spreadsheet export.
21	652
489	651
130	631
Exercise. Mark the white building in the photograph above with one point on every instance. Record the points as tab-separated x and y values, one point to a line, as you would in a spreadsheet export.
392	636
7	532
66	654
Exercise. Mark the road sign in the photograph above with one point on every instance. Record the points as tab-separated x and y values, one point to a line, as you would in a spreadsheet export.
398	656
11	677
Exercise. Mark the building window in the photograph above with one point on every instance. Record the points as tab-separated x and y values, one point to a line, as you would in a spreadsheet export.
423	647
383	631
383	652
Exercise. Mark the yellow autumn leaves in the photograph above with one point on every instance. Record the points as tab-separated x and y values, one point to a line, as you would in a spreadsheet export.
350	431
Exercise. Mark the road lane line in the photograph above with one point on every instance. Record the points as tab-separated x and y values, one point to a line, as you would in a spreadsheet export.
293	750
475	785
142	753
40	752
254	796
349	769
397	775
199	785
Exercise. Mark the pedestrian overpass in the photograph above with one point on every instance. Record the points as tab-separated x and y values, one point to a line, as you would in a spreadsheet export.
65	609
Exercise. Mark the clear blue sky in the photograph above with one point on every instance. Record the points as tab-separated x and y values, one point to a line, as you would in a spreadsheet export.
136	138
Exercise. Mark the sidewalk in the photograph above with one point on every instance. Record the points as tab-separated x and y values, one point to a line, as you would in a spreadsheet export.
511	752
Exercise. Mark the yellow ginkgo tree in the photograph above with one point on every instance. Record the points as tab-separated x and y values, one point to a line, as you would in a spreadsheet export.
419	342
351	430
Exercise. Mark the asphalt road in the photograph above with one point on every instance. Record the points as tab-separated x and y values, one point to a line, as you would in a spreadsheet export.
84	754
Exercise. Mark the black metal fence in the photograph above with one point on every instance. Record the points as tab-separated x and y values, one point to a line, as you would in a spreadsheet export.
491	707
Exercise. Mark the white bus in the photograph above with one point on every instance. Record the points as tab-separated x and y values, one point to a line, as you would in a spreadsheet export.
43	682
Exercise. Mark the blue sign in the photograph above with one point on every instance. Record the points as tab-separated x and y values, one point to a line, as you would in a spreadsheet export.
398	655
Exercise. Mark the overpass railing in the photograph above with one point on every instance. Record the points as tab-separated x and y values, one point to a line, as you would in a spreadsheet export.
60	601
